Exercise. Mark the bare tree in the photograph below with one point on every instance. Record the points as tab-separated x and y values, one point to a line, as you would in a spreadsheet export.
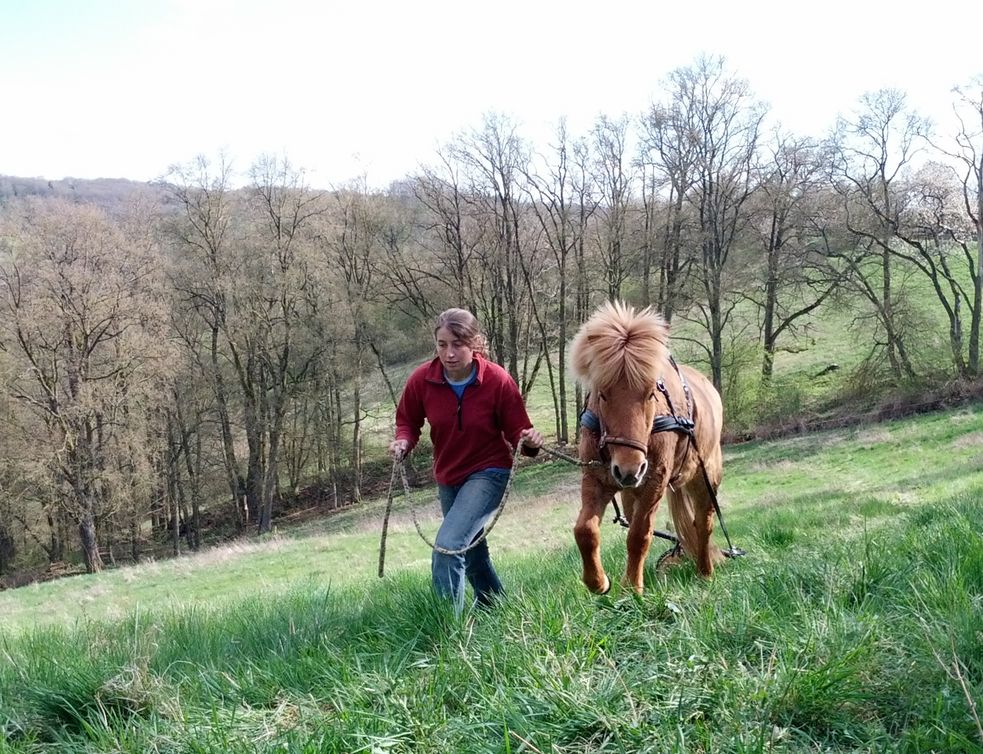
354	244
614	180
586	201
244	262
668	157
968	236
450	232
278	357
553	202
202	279
871	153
494	159
796	278
81	311
414	277
725	122
932	231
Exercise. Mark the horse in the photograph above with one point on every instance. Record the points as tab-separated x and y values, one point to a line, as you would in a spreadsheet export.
650	428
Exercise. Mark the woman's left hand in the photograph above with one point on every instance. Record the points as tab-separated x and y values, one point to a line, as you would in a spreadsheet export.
532	437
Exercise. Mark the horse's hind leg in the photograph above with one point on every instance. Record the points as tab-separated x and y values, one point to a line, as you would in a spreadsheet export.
704	552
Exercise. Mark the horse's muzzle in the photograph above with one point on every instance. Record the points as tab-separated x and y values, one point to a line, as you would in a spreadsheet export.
627	478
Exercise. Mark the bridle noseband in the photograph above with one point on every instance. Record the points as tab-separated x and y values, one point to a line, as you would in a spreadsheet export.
604	439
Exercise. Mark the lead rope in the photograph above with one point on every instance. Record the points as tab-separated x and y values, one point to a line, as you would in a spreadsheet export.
400	465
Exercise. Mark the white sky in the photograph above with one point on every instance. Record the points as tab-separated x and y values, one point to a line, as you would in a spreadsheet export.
124	88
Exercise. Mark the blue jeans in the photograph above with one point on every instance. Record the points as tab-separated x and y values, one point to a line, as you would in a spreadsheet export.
467	508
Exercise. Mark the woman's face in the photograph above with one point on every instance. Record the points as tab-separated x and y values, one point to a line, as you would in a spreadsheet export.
455	355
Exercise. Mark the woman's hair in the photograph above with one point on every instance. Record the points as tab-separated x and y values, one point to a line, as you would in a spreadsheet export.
465	327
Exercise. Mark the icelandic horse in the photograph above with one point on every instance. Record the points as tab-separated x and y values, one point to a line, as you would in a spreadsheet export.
652	429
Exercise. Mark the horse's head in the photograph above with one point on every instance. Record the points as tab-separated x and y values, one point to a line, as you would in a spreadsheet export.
619	354
625	414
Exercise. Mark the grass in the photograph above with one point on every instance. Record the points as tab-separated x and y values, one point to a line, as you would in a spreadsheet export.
855	624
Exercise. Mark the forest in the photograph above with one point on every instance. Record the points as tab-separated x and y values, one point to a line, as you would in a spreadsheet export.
188	358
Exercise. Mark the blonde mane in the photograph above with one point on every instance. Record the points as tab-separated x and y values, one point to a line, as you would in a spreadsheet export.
620	344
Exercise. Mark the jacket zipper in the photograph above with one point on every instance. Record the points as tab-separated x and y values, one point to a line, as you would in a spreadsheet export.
460	402
460	406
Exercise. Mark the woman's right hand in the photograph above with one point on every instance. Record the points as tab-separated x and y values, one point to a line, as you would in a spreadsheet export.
397	449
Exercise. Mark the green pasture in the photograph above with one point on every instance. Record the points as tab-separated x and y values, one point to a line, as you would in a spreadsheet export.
855	624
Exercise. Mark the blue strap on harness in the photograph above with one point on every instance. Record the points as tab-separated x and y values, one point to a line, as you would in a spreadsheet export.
662	423
589	420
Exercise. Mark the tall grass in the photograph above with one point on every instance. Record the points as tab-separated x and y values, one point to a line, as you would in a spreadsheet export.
855	624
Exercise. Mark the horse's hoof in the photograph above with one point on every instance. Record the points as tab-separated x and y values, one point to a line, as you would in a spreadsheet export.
668	560
606	589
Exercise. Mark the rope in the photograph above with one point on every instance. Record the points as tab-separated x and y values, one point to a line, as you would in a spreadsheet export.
731	551
570	459
484	532
400	469
399	464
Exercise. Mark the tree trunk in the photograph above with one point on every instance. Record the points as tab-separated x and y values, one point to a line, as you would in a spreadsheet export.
255	460
56	535
974	328
357	431
270	486
771	300
135	536
7	549
232	475
888	308
194	478
563	431
90	543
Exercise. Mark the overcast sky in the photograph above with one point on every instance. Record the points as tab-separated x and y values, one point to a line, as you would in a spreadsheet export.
124	88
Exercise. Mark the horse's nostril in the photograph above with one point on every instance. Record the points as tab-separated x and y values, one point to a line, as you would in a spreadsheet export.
616	471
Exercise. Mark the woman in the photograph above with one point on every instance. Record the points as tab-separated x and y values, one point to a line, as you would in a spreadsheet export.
475	412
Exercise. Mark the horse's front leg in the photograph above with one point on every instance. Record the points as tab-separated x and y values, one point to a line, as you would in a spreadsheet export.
639	536
587	532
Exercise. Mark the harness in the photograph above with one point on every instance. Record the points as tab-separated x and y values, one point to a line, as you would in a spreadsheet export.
671	422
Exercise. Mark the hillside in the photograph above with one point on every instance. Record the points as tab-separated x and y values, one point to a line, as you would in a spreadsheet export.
828	371
851	625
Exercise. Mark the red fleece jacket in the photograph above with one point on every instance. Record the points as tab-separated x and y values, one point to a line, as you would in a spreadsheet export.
468	435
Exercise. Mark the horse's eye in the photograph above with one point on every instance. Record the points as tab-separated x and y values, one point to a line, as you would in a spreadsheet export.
602	396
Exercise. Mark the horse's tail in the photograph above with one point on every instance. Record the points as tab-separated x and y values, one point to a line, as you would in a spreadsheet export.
683	512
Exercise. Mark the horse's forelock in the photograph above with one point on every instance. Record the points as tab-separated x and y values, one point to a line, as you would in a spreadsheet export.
619	344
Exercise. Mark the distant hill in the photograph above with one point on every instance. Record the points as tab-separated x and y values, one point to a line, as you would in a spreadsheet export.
108	193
